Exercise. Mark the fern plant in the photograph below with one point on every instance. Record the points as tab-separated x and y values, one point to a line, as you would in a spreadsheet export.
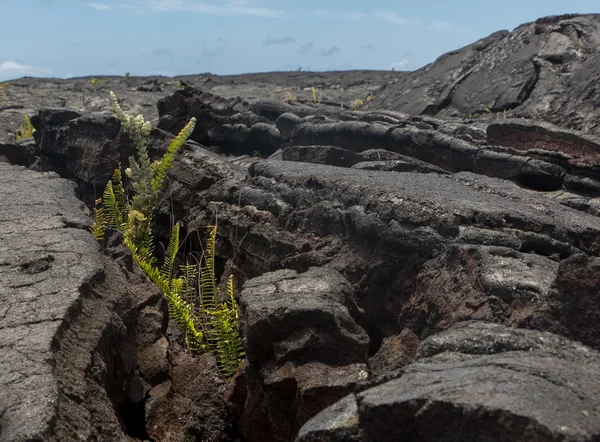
26	130
220	318
180	309
224	322
207	324
147	179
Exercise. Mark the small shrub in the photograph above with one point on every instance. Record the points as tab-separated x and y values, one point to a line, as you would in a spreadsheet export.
290	98
96	82
314	95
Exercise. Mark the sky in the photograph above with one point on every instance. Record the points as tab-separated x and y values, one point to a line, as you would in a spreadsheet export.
71	38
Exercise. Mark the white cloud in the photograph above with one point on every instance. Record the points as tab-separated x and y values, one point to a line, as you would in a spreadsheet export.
381	15
225	7
400	65
355	15
99	6
132	9
12	69
394	18
440	25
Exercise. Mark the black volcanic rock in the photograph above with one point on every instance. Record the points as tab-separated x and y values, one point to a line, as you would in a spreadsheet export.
367	233
304	348
473	382
548	69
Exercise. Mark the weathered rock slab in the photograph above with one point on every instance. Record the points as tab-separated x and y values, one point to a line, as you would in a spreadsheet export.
477	381
46	273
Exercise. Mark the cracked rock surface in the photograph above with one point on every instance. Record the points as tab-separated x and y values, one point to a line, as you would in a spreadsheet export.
67	341
43	272
476	381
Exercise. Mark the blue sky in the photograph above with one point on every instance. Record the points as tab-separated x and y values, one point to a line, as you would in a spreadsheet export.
65	38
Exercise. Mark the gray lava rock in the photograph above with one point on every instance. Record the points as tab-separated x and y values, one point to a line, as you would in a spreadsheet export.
286	316
334	156
546	69
411	165
305	349
476	381
192	405
67	316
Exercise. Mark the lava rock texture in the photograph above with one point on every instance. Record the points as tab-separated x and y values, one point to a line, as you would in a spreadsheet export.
425	268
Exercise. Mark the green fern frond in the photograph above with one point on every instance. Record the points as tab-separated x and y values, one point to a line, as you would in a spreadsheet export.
146	248
171	252
231	298
165	164
183	314
179	310
111	207
229	349
208	280
120	195
26	130
115	202
97	228
189	291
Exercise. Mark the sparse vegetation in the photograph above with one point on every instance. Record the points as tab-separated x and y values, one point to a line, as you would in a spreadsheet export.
26	130
489	111
290	98
2	86
370	98
357	104
317	96
179	84
96	82
207	322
